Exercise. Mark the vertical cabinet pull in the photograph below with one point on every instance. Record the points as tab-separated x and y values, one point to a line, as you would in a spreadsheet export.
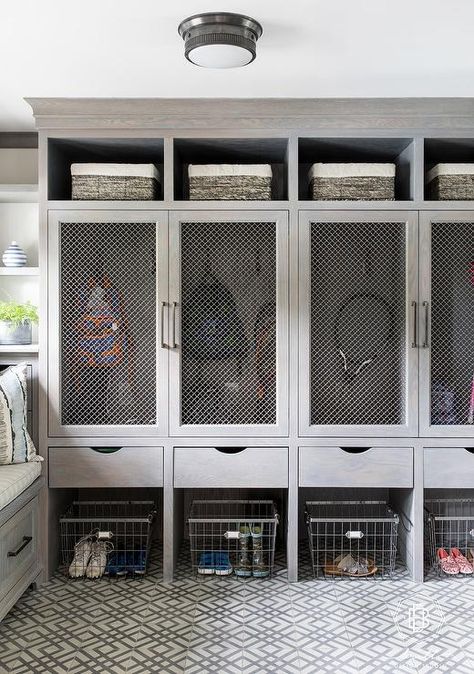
173	342
414	344
426	340
162	326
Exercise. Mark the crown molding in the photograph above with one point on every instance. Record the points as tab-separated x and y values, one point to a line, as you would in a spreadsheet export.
298	114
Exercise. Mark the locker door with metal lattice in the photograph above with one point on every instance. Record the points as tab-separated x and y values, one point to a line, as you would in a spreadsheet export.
358	324
229	301
108	293
447	294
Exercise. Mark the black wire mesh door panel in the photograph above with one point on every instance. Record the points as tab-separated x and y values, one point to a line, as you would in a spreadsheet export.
358	331
108	323
229	352
452	328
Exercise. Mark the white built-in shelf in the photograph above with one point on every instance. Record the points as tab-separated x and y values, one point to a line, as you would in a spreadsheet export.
17	194
19	348
19	271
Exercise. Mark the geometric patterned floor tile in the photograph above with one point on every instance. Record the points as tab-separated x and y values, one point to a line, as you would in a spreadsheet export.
201	625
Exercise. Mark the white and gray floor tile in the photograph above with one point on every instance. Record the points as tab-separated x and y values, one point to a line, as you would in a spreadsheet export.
232	625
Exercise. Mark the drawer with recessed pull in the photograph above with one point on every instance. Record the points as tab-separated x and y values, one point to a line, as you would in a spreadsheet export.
231	467
105	466
448	467
356	467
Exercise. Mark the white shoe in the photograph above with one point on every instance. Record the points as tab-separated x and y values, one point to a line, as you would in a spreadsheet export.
98	559
82	553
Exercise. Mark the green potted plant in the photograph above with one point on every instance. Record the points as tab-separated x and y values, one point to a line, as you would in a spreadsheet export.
15	322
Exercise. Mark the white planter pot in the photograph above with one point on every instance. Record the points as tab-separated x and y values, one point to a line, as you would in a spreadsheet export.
15	333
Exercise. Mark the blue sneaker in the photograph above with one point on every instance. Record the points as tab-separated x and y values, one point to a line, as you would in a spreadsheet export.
222	564
206	563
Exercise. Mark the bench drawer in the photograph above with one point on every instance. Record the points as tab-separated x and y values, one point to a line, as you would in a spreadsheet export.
449	467
18	546
106	467
356	467
230	467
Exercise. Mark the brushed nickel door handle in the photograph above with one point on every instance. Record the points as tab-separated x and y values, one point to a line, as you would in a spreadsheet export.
414	344
426	340
174	345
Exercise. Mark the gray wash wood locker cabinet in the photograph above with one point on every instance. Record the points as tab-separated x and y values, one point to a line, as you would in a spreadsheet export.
412	133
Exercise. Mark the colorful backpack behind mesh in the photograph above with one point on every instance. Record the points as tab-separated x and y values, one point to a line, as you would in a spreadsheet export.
102	333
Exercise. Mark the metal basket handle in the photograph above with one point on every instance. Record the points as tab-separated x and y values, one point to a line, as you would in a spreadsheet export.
354	534
232	535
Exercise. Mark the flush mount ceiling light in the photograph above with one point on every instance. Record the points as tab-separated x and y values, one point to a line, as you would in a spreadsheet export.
220	39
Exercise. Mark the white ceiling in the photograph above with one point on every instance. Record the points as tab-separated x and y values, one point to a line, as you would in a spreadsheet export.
310	48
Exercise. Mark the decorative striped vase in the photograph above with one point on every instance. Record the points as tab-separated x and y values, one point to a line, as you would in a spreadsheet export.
14	256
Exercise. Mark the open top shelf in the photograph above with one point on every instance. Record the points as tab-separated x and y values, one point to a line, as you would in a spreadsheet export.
359	150
271	151
62	152
446	150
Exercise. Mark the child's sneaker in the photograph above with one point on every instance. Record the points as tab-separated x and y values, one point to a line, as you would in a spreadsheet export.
206	563
98	559
222	564
82	553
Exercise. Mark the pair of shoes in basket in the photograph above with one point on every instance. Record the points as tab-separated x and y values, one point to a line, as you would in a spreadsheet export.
251	560
455	562
90	558
123	562
347	565
214	562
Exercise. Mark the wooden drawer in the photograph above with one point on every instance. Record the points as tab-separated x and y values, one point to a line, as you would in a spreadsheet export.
106	467
18	546
449	467
351	467
231	467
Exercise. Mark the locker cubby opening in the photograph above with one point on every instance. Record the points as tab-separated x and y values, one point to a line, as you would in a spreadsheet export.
62	152
399	151
446	150
448	523
136	544
218	532
355	533
273	151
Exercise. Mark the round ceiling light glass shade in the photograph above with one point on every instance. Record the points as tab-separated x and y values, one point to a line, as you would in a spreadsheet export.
220	39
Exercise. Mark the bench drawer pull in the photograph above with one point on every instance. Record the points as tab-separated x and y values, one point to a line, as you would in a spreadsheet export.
26	540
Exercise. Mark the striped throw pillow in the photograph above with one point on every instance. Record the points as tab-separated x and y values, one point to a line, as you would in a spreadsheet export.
16	446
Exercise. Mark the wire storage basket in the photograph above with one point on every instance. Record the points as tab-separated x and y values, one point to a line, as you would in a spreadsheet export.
449	523
356	539
107	538
233	537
